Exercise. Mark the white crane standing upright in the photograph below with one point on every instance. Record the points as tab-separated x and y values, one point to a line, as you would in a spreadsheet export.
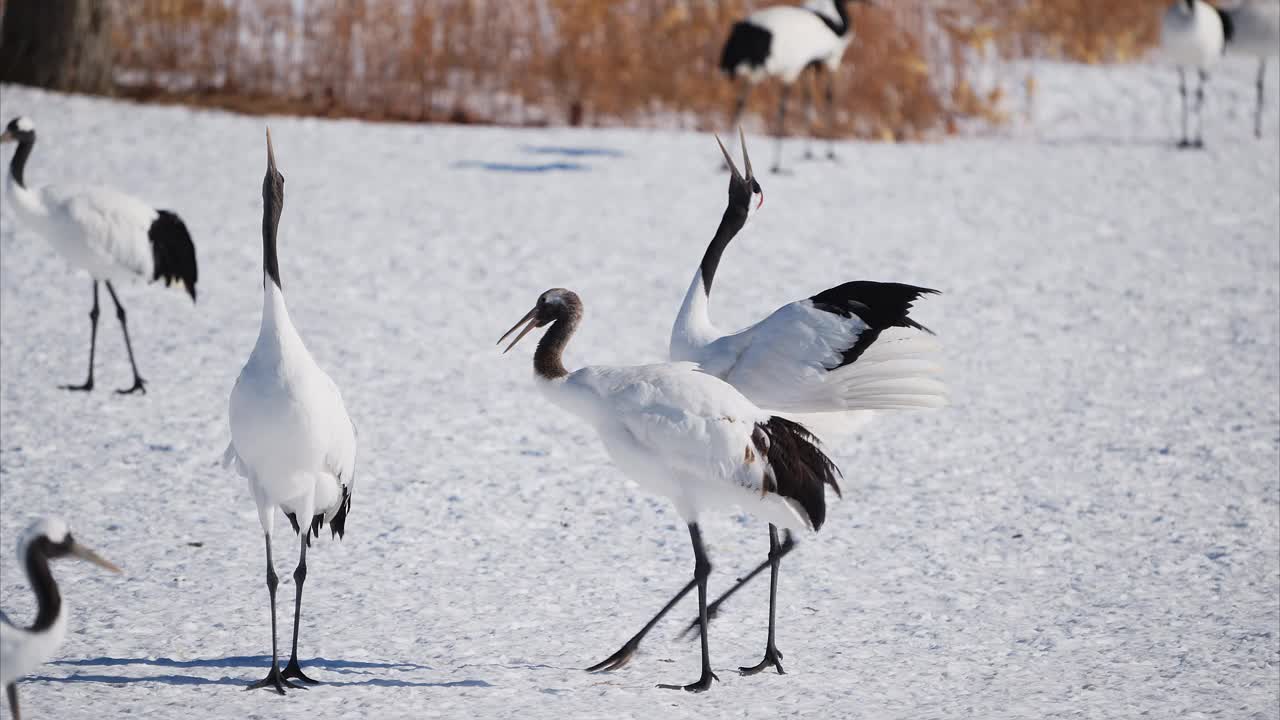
1253	28
106	233
682	433
290	433
1192	34
783	42
825	360
22	650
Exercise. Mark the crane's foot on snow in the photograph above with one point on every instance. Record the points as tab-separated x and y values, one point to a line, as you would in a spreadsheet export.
139	385
616	660
702	685
294	670
274	681
772	656
86	387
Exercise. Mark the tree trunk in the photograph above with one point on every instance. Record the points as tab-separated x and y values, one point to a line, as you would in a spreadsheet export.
57	44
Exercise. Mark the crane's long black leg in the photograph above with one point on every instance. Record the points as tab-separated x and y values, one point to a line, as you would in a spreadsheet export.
273	680
807	80
1257	111
1199	141
772	656
93	343
701	571
1185	142
782	124
12	691
831	113
624	653
138	383
788	543
293	669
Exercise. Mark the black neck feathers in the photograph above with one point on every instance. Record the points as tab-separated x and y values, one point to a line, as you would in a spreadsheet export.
48	600
840	25
19	162
272	204
548	361
735	216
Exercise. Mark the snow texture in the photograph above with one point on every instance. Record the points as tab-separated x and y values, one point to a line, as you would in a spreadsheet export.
1090	530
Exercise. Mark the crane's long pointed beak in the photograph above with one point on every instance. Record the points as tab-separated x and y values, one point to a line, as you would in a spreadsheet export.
7	136
732	168
746	161
532	323
271	155
85	553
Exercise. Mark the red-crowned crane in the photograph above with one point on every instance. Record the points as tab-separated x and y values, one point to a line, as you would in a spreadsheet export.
291	437
692	437
1253	29
1193	34
22	650
826	360
106	233
783	42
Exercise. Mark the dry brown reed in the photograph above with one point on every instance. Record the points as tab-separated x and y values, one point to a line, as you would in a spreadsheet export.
911	73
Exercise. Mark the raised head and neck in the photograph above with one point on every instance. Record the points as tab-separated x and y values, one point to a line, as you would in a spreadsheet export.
22	131
693	323
272	205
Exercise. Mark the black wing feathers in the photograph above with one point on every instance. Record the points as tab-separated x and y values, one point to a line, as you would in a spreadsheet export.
172	252
797	467
879	305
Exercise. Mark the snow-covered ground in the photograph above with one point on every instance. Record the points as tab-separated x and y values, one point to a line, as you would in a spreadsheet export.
1091	530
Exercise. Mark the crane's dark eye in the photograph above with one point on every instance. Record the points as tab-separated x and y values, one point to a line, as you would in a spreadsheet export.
755	186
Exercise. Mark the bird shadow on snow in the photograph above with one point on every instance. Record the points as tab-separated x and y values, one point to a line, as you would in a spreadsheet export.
367	670
548	166
520	167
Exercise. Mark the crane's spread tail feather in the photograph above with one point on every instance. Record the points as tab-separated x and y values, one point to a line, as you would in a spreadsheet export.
173	252
796	468
896	372
890	366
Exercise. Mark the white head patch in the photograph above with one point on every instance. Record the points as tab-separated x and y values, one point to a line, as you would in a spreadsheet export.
24	124
52	528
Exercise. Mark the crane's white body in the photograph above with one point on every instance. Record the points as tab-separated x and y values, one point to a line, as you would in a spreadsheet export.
799	37
96	229
1192	37
678	432
783	363
1256	29
23	651
291	437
